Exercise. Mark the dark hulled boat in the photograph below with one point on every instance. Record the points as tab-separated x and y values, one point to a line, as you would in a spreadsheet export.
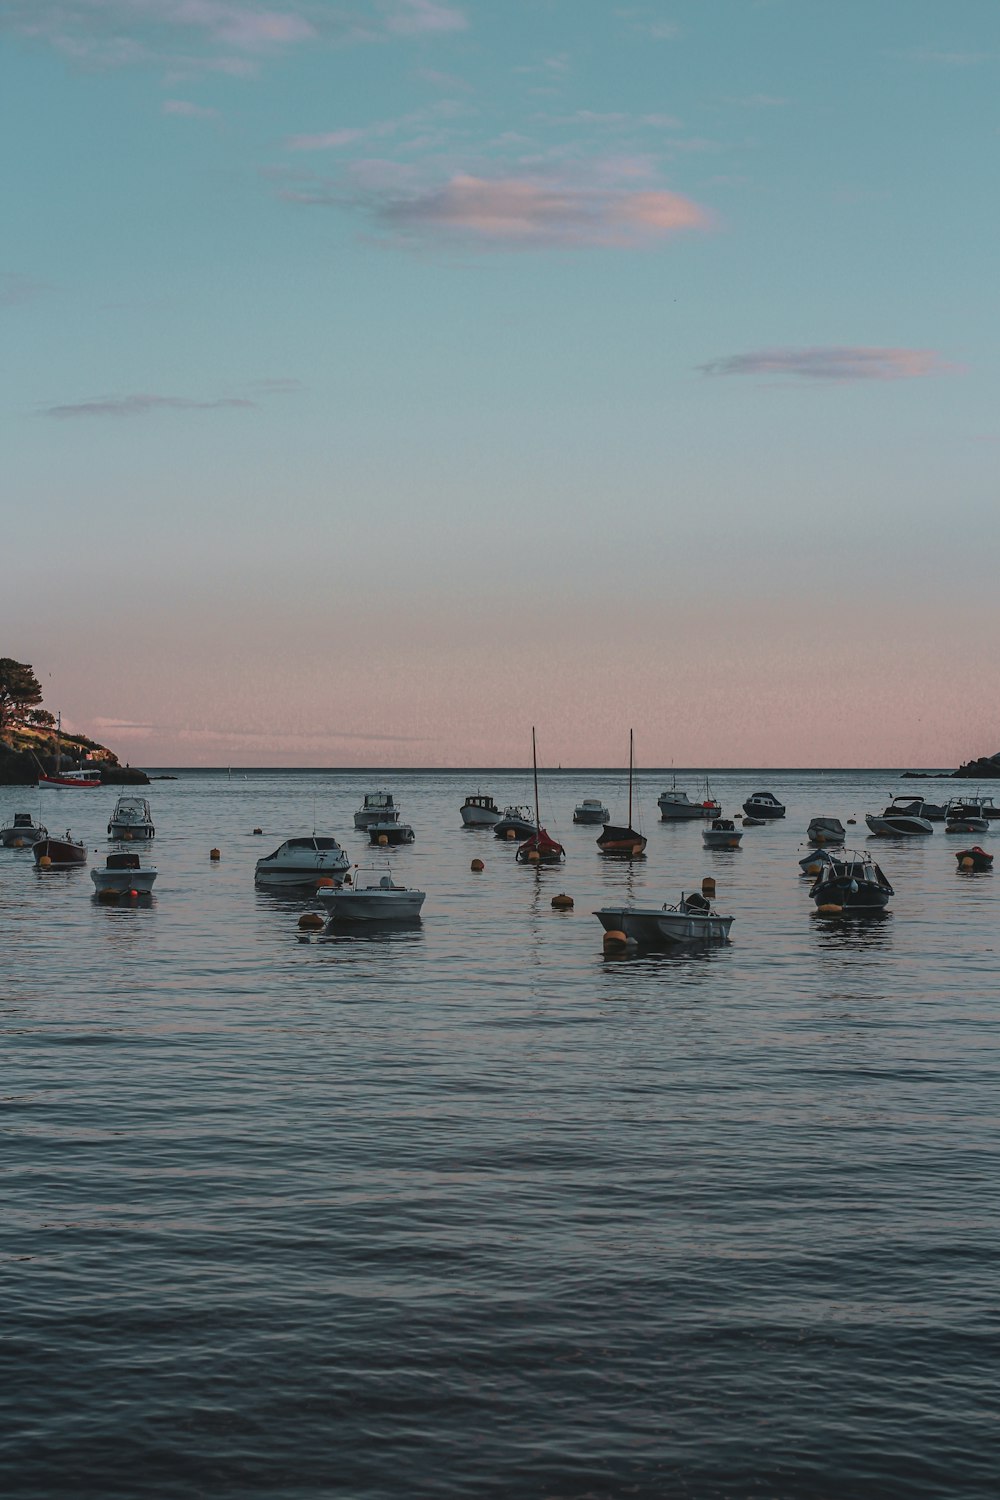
855	883
539	847
59	854
618	840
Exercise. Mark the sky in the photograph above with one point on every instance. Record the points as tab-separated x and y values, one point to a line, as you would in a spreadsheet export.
383	377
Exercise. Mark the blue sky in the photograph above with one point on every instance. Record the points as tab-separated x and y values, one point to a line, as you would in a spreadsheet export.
396	373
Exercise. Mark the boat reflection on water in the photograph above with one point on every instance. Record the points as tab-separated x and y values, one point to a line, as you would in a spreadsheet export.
855	930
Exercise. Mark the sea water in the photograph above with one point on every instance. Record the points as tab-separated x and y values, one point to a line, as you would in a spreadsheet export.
473	1210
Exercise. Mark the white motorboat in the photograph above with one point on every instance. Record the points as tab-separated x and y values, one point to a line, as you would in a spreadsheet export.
390	833
378	807
723	834
302	862
123	873
902	818
371	895
676	806
22	832
764	805
691	921
590	810
480	811
131	819
825	831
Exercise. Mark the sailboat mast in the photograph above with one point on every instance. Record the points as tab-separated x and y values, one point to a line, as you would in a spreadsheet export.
630	778
58	741
534	764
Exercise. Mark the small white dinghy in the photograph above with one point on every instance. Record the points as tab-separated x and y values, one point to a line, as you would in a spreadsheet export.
122	873
371	895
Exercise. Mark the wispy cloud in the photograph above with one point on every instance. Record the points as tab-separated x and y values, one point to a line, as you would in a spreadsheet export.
16	289
836	364
523	212
944	57
140	404
188	111
229	36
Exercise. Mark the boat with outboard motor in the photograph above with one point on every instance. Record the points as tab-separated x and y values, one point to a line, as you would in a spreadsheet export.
517	822
825	831
854	883
963	820
302	862
59	854
723	834
539	847
764	805
22	832
676	806
616	839
390	833
131	819
691	921
378	807
902	818
590	810
123	873
370	895
480	811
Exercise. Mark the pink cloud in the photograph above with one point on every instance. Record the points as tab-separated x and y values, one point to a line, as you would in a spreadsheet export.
329	140
524	212
837	364
188	111
411	16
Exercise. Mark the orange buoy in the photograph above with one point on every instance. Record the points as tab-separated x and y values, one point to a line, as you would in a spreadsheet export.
830	910
44	862
813	869
214	855
109	898
258	830
562	902
383	840
708	885
510	834
309	921
614	941
734	843
852	820
477	865
968	863
532	856
324	883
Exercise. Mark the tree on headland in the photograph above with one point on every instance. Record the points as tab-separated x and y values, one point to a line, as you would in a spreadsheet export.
20	691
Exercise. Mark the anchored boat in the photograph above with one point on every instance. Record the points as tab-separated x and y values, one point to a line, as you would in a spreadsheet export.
692	921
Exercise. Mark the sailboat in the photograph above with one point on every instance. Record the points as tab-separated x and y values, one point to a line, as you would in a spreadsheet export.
618	840
77	779
539	848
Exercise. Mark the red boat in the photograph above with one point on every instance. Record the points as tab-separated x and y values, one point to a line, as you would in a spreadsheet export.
75	779
975	858
539	848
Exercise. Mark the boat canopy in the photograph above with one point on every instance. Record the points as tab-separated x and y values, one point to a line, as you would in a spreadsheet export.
316	842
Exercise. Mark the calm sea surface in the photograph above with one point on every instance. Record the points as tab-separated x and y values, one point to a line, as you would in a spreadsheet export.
475	1211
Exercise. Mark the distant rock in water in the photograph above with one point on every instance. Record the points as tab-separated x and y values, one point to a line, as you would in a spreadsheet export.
986	768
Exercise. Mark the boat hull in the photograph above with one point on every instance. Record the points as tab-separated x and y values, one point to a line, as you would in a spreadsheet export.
593	815
839	892
901	827
62	853
481	817
349	907
520	827
621	841
22	838
392	834
769	812
652	927
126	831
71	783
713	839
123	880
967	825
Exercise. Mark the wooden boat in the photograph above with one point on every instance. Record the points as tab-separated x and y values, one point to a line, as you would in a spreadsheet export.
539	847
480	811
59	854
623	841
